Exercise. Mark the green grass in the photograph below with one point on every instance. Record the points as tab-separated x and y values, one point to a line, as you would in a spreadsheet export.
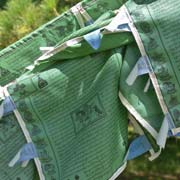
20	17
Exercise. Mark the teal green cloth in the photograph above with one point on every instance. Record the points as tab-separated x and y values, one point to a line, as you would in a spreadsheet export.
75	104
157	26
74	116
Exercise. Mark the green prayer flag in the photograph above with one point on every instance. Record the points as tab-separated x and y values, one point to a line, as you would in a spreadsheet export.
78	80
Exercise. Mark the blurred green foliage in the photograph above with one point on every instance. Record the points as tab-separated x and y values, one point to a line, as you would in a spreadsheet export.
20	17
2	3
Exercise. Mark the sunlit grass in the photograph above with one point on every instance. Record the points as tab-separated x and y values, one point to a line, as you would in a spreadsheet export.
20	17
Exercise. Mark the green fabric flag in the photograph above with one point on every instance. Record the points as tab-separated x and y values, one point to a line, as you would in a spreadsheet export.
74	116
24	52
68	106
155	29
77	80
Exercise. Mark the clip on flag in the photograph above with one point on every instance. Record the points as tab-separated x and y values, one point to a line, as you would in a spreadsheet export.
87	23
94	39
120	22
172	126
46	49
166	131
140	68
138	147
163	134
85	14
78	16
26	153
6	107
124	27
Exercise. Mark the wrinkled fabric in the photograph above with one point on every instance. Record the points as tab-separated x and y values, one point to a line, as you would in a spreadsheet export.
73	102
